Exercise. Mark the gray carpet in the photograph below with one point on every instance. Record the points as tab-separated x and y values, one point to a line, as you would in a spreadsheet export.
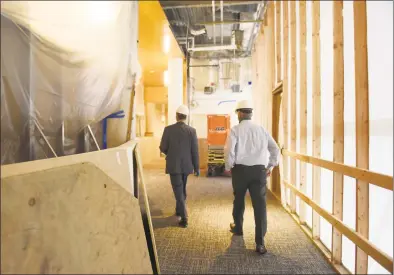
207	246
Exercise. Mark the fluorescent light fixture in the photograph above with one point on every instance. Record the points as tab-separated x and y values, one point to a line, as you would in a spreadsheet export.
166	43
166	78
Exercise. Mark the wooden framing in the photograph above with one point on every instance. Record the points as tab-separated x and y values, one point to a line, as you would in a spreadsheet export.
278	41
381	180
316	116
360	241
285	89
303	103
339	126
362	127
293	108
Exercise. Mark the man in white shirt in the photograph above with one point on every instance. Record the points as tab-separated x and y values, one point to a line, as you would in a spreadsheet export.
246	155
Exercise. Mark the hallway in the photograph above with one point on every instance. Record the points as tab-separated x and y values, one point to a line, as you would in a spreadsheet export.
207	246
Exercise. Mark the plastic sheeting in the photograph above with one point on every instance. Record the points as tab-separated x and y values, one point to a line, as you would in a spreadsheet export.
64	65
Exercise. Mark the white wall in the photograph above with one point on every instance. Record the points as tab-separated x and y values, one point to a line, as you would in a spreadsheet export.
222	101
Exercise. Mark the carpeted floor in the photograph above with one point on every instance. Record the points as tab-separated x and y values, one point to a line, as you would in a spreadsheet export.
207	246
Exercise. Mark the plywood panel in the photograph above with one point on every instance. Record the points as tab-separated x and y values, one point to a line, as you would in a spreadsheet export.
316	115
115	162
339	126
362	127
73	219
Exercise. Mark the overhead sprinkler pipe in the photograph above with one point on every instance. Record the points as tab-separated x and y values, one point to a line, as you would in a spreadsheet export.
221	20
213	17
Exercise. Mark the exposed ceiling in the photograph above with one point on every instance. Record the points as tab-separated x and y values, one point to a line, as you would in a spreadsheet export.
198	24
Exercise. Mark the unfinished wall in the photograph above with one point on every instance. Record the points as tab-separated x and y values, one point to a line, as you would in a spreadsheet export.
318	67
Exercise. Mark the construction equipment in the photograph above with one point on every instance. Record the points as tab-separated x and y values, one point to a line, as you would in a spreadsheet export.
218	129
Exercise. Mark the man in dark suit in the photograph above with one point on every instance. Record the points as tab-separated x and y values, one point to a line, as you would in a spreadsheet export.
179	144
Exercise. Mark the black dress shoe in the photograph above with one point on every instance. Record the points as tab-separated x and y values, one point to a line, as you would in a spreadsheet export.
234	230
261	249
183	223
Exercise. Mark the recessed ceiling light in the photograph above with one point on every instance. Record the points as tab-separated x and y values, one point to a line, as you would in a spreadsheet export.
152	71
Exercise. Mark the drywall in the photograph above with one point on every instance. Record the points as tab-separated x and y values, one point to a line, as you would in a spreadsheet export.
70	219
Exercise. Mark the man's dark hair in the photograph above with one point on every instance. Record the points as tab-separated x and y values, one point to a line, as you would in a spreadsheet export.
180	116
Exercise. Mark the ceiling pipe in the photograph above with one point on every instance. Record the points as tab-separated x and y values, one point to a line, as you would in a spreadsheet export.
213	18
221	20
230	3
259	18
229	22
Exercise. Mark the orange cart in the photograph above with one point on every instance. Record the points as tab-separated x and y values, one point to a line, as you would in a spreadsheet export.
218	129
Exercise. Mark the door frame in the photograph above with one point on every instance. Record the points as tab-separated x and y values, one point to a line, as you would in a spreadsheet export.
276	105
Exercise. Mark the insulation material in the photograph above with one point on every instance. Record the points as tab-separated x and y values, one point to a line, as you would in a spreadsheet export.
62	63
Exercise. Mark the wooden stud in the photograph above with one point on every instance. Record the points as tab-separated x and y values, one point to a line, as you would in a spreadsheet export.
285	91
362	127
131	109
316	116
339	126
303	103
278	43
293	108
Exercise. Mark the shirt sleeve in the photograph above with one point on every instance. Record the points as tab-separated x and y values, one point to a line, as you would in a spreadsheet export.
229	150
274	151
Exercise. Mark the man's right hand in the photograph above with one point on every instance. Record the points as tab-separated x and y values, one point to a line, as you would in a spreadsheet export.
197	173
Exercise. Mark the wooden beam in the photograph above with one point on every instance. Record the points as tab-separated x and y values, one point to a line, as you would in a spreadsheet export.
360	241
339	126
131	109
339	268
362	127
381	180
278	39
316	116
285	90
303	103
293	108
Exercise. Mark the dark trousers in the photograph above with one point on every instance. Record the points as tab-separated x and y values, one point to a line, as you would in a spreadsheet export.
178	182
254	179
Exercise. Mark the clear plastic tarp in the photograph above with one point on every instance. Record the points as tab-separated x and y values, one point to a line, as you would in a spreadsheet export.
64	65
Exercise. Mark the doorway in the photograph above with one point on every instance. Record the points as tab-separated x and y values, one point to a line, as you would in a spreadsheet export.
276	102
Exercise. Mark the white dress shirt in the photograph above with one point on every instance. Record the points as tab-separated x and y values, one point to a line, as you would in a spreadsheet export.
249	144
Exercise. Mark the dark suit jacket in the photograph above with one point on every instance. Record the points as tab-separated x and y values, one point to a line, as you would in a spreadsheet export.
179	144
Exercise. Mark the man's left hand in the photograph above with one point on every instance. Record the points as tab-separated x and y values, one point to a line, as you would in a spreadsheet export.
269	172
197	173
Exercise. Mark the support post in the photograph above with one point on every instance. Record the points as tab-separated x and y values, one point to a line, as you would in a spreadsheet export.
362	127
303	105
293	108
339	126
316	116
278	40
285	93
